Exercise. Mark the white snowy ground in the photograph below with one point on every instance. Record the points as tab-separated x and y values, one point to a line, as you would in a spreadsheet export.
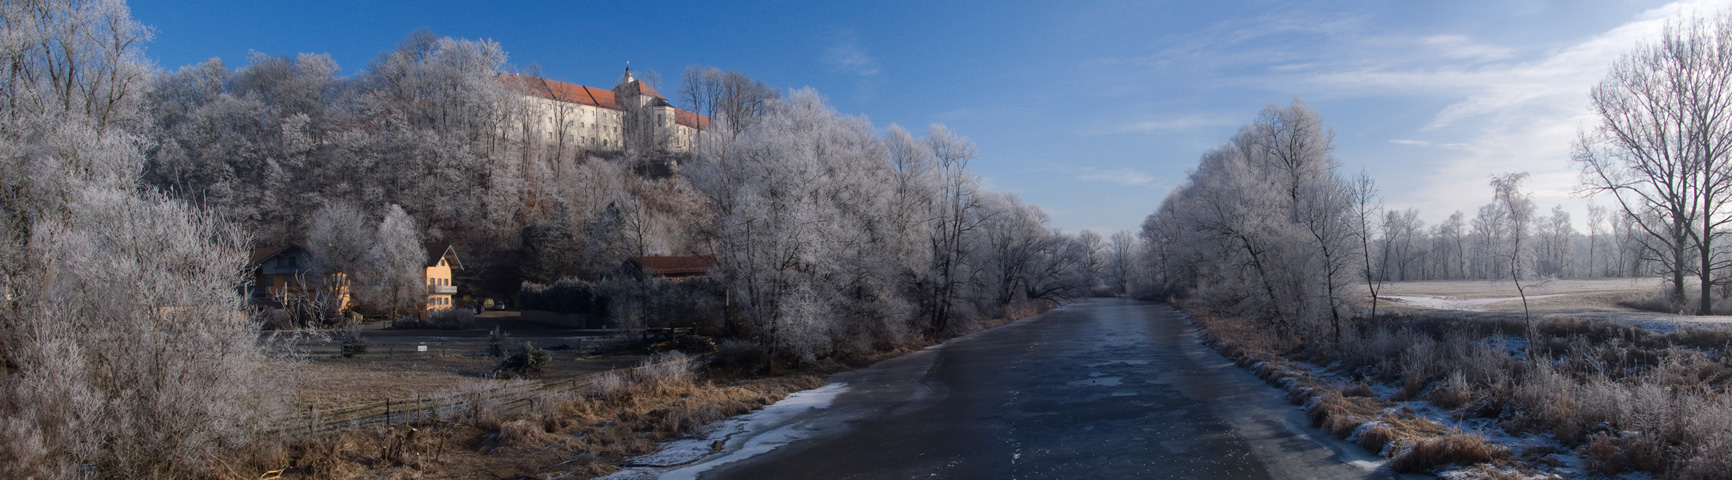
732	439
1469	305
1594	299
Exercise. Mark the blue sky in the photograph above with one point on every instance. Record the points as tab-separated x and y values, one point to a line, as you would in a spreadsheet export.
1091	109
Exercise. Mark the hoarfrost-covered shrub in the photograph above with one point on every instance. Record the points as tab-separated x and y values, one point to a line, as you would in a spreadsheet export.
609	385
126	347
452	318
527	360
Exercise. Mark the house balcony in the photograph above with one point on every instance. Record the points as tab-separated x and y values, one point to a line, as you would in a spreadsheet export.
441	289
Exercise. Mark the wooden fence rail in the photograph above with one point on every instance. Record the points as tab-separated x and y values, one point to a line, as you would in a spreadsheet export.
510	398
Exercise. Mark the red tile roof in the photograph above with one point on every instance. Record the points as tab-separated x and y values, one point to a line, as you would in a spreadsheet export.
561	91
690	119
579	94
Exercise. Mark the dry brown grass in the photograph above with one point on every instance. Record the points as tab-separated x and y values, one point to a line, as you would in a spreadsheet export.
1339	415
344	381
565	434
1453	392
1373	437
1353	412
1610	455
1452	449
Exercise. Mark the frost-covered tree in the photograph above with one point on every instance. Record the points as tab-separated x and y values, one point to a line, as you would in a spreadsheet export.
1518	208
339	236
396	264
1450	247
770	221
1123	250
1555	254
1400	242
954	214
1265	226
124	346
1663	146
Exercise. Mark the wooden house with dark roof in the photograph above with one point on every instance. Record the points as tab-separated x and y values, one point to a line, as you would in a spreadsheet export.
283	277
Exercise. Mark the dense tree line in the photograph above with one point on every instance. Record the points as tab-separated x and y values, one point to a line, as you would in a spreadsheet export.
829	235
825	230
1267	227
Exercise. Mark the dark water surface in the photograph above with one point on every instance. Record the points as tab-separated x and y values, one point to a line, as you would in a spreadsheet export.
1102	389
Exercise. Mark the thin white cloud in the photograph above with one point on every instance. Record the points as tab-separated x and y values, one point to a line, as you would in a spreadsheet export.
1505	110
1492	80
1179	123
1122	176
847	56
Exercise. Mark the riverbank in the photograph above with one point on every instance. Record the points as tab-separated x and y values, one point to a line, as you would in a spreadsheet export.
1480	395
578	433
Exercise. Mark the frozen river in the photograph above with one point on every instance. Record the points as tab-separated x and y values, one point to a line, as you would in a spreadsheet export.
1101	389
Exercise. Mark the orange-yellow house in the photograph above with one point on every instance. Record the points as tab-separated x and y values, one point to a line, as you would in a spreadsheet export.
440	290
283	277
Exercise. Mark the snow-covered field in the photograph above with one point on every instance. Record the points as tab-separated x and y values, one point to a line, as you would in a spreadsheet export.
1584	298
1484	289
1548	296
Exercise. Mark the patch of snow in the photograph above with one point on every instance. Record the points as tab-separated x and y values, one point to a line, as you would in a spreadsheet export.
1445	303
745	436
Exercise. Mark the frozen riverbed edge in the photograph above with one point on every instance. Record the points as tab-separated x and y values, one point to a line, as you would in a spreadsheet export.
732	439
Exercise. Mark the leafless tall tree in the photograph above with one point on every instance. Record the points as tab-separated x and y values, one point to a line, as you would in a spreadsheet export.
1123	247
1519	206
729	96
1367	210
1663	145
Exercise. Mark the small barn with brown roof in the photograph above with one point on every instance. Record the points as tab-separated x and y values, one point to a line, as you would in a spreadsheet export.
670	267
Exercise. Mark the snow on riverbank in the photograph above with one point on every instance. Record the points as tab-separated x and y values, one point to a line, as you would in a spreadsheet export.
733	439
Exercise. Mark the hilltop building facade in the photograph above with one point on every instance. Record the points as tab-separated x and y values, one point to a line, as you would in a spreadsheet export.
631	116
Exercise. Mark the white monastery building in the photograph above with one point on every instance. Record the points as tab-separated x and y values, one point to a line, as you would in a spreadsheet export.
599	120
